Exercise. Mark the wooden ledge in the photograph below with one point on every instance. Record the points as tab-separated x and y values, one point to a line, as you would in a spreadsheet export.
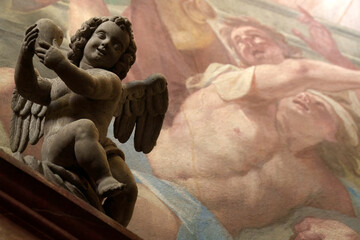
48	211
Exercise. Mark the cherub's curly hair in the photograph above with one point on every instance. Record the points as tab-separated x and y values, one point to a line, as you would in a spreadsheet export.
81	37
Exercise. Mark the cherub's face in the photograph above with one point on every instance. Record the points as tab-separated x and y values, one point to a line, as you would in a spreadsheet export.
106	45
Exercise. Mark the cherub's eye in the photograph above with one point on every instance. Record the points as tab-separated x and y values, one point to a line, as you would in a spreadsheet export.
101	35
117	47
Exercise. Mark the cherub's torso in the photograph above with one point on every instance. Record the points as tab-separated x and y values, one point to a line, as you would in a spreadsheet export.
67	106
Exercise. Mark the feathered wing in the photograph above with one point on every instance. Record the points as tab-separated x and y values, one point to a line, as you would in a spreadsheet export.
27	122
143	107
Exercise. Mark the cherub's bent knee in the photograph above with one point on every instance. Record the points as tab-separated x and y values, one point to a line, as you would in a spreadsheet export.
86	129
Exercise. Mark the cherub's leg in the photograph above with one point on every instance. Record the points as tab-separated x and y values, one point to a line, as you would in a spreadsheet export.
81	138
121	207
92	158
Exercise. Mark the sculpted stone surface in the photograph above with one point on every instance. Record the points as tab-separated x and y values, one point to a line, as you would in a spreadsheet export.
49	32
74	110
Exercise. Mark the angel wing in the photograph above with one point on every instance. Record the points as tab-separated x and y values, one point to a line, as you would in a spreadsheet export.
143	107
27	122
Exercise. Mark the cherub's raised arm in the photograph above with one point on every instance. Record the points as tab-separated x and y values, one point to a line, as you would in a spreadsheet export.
28	83
296	75
93	83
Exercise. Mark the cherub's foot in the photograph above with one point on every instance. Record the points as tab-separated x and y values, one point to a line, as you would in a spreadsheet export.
109	186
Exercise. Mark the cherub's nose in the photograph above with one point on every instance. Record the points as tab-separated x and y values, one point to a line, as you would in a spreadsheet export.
105	42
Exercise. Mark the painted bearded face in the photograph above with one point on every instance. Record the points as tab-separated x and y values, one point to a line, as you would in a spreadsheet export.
254	47
106	45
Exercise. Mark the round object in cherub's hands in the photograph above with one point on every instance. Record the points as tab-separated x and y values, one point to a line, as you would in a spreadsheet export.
49	32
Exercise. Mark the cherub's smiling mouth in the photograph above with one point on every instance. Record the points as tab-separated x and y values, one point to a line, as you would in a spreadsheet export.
102	51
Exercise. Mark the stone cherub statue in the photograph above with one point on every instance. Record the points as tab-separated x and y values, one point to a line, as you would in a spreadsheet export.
74	110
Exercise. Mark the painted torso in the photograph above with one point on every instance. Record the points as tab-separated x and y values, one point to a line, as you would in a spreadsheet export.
230	157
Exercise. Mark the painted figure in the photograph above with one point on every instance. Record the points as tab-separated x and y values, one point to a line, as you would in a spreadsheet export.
184	37
321	41
267	109
80	104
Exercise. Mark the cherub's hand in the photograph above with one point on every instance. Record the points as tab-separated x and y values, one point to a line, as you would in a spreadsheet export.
323	229
320	39
28	44
49	55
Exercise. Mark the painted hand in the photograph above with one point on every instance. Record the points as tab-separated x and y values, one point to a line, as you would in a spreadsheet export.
323	229
320	39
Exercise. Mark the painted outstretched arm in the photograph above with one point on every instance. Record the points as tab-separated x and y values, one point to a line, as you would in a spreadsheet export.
28	83
95	83
321	41
316	228
296	75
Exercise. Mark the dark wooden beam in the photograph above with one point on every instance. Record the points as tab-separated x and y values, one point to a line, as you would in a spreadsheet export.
50	211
